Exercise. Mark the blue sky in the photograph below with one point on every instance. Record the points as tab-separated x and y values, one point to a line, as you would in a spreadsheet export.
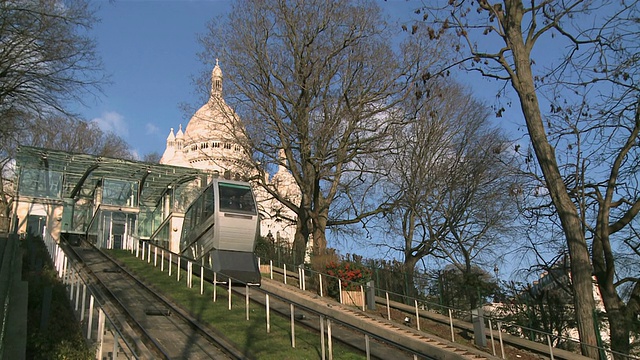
149	49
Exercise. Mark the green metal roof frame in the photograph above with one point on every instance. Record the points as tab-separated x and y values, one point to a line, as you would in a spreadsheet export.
83	171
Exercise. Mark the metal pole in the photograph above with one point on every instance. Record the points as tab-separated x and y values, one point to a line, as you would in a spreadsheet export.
201	280
178	268
493	344
500	336
550	347
100	332
246	300
215	287
77	296
84	296
329	340
285	273
388	307
366	346
293	328
451	323
189	274
320	278
417	314
271	269
340	289
268	313
303	279
229	282
90	322
362	297
162	260
155	256
170	261
72	282
322	337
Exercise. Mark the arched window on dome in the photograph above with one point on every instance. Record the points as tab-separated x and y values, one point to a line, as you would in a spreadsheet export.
236	148
215	144
204	145
227	146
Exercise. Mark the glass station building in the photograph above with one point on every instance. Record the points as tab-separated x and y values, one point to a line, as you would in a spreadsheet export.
111	202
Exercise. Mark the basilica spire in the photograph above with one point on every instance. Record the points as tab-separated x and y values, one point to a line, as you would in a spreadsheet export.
216	82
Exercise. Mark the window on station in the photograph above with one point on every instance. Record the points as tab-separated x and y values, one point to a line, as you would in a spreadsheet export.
120	192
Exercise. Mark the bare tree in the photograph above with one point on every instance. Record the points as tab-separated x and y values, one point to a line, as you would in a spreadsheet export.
316	79
46	61
75	136
451	181
588	156
46	57
152	157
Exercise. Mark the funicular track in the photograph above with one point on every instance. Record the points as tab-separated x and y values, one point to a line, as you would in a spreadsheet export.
160	328
384	339
387	340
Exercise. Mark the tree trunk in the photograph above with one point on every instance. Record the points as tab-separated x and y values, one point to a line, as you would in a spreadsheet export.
301	238
409	268
319	237
581	271
619	322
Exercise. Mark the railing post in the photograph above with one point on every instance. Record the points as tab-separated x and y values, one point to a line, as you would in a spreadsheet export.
266	304
388	307
293	328
493	344
500	336
322	345
246	300
453	339
417	314
229	282
201	280
90	320
550	347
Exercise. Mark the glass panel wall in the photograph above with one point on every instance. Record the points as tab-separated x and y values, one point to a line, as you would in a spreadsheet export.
150	219
162	236
41	183
120	192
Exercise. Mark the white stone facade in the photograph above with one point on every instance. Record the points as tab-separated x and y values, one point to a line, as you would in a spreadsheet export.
213	141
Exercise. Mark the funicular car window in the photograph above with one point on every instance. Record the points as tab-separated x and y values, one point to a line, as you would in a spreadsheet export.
236	198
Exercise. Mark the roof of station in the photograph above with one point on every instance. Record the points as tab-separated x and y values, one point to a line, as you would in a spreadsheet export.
83	171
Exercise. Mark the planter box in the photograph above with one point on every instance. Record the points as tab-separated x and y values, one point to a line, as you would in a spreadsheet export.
353	297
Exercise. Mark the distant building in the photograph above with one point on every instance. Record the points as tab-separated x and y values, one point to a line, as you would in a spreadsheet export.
213	141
